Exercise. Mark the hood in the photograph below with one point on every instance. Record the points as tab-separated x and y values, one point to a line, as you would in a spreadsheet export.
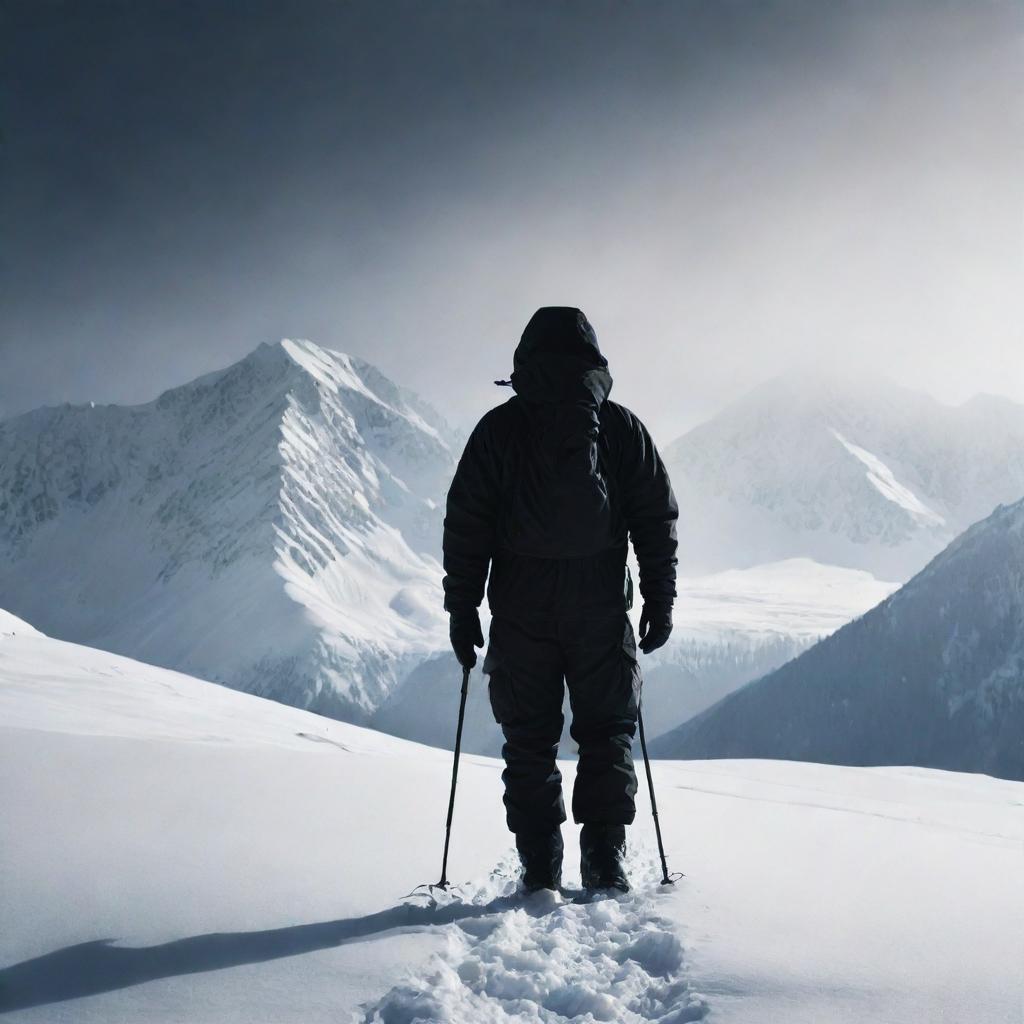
558	360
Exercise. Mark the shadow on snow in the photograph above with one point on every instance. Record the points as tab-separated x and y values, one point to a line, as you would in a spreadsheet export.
91	968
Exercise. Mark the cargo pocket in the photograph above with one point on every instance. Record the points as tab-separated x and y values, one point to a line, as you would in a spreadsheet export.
632	678
499	687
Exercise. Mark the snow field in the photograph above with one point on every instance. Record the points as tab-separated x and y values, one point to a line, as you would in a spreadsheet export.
172	851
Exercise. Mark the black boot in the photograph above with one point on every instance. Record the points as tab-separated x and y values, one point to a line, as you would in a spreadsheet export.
602	851
541	857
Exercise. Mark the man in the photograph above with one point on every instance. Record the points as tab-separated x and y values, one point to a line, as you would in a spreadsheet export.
545	494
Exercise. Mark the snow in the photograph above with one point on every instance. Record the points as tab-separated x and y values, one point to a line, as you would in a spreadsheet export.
12	625
172	850
883	478
796	597
540	958
735	626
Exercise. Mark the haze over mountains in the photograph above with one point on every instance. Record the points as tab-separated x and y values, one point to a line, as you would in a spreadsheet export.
276	527
859	473
933	676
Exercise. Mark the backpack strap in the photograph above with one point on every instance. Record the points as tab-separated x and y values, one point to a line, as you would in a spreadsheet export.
612	483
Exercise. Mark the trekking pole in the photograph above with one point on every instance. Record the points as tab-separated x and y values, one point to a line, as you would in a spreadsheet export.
666	878
443	884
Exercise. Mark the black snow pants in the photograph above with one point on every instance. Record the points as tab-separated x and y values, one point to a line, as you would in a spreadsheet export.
529	662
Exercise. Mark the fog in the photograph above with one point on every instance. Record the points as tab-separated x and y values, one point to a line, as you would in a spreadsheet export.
729	190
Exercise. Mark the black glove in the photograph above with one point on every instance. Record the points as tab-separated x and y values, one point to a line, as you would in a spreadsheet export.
655	626
465	632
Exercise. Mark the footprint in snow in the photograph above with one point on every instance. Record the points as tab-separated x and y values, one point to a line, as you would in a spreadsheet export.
543	958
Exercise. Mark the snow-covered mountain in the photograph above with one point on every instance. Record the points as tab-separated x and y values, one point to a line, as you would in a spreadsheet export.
856	472
276	527
273	526
934	676
174	851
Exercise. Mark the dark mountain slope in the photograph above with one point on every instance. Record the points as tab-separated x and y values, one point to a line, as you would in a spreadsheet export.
934	676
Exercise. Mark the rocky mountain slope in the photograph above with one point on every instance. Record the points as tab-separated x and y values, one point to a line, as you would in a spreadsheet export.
934	676
273	526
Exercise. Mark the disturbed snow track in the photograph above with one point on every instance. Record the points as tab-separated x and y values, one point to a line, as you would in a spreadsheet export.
543	958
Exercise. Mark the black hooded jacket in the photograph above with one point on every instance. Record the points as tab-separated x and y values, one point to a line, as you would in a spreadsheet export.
552	482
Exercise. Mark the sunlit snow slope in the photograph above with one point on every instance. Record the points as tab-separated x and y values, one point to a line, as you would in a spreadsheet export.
854	472
172	851
273	526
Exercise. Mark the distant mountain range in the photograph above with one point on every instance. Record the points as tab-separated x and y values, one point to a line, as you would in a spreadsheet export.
858	472
934	676
273	526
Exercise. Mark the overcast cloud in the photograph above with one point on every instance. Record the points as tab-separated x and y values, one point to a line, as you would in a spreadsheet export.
729	190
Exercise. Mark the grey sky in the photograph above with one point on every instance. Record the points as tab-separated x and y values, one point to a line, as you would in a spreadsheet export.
728	189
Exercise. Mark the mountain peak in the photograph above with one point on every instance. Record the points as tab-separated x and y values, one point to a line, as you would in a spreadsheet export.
856	471
291	498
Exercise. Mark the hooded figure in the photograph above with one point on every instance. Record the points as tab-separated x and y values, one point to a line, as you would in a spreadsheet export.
551	486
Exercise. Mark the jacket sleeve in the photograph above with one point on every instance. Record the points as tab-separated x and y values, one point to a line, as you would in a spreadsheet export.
651	513
471	520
